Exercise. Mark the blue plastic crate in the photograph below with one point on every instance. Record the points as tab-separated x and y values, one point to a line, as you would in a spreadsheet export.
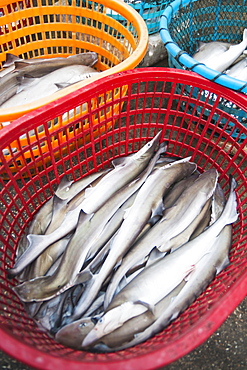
150	12
185	22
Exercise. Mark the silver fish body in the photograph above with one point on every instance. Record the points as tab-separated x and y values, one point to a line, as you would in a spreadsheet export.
158	280
39	241
148	204
205	270
209	50
221	61
96	281
125	170
49	84
175	220
239	70
88	230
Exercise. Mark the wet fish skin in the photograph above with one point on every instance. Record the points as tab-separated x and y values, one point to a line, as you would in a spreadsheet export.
88	229
125	170
9	85
223	60
148	204
130	328
43	263
198	281
49	84
174	221
178	189
94	285
65	190
41	66
39	242
174	268
239	70
73	334
208	50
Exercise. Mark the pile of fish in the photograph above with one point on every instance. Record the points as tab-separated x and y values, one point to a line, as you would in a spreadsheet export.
23	81
113	258
225	57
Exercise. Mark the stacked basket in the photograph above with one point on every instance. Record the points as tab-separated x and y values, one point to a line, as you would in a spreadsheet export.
186	22
34	29
149	10
151	103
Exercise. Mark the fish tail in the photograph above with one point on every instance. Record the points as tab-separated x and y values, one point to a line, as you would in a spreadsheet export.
245	35
231	204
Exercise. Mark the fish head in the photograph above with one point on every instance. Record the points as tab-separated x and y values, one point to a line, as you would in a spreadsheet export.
109	322
146	152
73	334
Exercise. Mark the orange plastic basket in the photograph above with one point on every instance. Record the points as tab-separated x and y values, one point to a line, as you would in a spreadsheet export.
48	28
153	103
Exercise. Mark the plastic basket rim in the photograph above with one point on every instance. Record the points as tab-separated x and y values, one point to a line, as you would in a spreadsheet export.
157	358
197	335
188	61
135	58
115	80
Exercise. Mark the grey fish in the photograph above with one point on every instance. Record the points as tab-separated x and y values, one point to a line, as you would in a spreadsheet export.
177	189
43	263
49	84
148	204
206	269
88	229
239	70
72	335
125	170
174	221
38	67
208	50
9	85
39	241
223	60
148	287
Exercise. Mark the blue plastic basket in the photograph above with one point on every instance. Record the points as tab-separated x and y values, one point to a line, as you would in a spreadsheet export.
185	22
149	10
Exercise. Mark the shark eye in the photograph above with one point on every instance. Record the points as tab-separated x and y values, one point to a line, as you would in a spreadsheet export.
82	325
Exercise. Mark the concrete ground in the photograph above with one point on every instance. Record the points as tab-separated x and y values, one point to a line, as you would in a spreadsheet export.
226	349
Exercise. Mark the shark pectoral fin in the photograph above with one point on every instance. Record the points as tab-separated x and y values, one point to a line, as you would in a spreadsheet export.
127	212
83	277
223	265
150	307
64	184
158	210
58	203
119	162
154	255
165	246
62	85
10	59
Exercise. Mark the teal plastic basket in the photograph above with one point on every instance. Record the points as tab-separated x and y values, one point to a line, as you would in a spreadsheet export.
186	22
150	11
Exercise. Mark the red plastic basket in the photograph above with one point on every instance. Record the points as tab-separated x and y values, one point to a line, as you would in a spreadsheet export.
153	102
